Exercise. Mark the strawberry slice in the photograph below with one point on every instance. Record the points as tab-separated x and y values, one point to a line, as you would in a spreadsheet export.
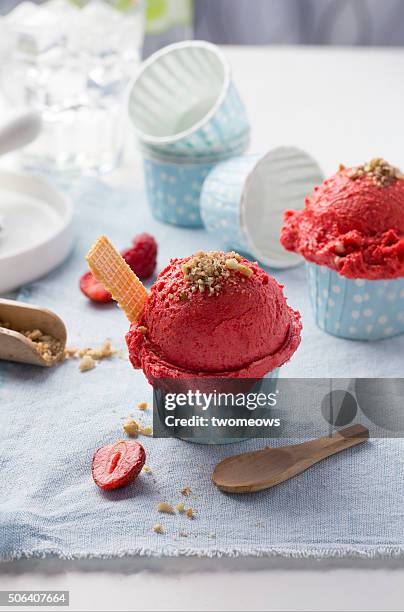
116	465
93	289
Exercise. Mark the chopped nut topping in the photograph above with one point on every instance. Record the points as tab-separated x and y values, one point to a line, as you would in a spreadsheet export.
158	528
86	363
166	508
245	270
180	507
339	248
378	170
190	513
50	349
105	352
146	431
142	329
207	271
132	428
186	491
232	263
142	405
147	469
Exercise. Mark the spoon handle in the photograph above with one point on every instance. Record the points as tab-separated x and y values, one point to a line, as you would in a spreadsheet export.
318	449
21	130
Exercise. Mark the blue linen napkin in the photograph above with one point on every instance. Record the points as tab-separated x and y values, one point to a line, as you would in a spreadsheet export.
52	420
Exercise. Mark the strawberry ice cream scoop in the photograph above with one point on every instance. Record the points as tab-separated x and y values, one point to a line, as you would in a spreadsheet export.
353	223
213	315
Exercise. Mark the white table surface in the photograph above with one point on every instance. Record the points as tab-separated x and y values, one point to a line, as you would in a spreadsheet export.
341	105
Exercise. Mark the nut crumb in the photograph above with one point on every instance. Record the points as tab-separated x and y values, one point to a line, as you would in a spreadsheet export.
143	405
158	528
190	513
105	352
180	507
166	508
50	349
232	263
132	428
147	469
142	329
186	491
339	248
86	363
378	170
146	431
245	270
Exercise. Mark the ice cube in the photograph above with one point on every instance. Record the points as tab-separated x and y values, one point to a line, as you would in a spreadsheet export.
62	8
98	29
23	14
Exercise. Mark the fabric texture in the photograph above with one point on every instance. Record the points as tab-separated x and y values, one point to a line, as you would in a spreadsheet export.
52	420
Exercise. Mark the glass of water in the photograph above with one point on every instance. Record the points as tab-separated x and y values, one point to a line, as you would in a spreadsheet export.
72	60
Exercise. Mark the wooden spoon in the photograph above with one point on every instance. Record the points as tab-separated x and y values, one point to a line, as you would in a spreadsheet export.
266	468
14	346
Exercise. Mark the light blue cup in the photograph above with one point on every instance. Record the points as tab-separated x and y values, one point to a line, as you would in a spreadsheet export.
243	201
356	309
173	185
183	102
173	190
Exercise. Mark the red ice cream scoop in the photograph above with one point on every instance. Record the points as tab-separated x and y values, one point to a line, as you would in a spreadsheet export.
353	223
213	315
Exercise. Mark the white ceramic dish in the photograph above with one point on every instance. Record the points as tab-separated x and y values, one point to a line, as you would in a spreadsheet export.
36	232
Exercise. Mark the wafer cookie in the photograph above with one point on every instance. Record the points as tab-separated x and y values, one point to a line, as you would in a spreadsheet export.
109	267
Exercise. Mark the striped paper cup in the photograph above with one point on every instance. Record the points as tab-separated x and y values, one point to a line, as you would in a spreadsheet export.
243	200
183	101
356	309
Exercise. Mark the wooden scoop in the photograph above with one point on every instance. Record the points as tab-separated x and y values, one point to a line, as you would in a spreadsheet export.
266	468
14	346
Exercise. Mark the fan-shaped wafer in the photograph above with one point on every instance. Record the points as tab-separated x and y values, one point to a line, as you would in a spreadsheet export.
109	267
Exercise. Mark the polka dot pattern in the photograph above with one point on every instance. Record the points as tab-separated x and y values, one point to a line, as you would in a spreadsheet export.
173	191
220	202
356	309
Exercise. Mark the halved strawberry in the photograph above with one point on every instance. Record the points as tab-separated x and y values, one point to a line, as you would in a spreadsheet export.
93	289
116	465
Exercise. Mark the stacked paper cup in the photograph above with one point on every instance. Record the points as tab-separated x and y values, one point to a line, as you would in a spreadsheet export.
188	116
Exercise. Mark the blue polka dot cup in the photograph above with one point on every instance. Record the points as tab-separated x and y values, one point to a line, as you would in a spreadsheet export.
183	102
243	200
356	309
173	185
173	190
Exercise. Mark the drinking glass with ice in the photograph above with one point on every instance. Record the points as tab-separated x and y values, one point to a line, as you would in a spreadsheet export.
72	61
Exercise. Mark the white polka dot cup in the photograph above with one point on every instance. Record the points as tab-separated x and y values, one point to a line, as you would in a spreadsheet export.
183	102
356	309
243	201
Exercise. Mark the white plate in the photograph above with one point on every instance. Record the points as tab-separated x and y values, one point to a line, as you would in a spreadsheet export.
36	232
